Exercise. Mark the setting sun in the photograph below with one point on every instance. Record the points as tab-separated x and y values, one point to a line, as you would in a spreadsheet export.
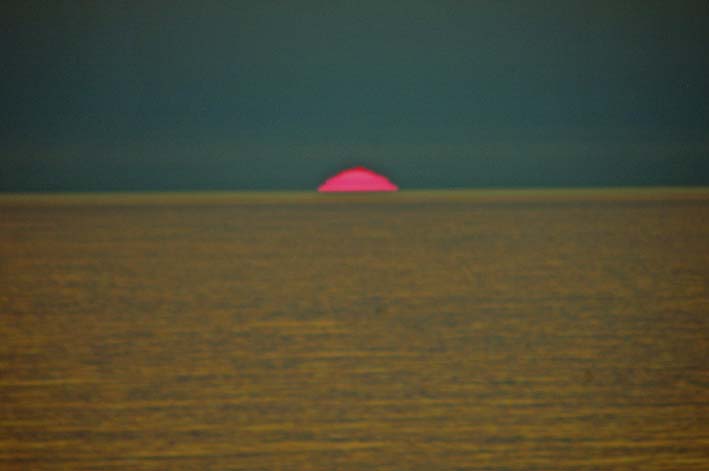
357	179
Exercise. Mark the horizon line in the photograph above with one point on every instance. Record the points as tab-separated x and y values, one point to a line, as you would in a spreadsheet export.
221	197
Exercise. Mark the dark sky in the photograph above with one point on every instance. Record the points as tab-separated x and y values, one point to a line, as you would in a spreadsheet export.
278	95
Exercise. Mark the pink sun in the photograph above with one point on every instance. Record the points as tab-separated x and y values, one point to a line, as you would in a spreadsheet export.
357	179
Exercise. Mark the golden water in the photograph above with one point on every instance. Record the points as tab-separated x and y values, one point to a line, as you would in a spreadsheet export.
387	332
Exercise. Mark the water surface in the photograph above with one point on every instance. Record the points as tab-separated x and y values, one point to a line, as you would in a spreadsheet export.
459	331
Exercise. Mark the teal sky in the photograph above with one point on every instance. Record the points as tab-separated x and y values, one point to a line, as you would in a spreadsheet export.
278	95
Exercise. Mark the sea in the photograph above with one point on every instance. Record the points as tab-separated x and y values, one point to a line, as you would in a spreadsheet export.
450	330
